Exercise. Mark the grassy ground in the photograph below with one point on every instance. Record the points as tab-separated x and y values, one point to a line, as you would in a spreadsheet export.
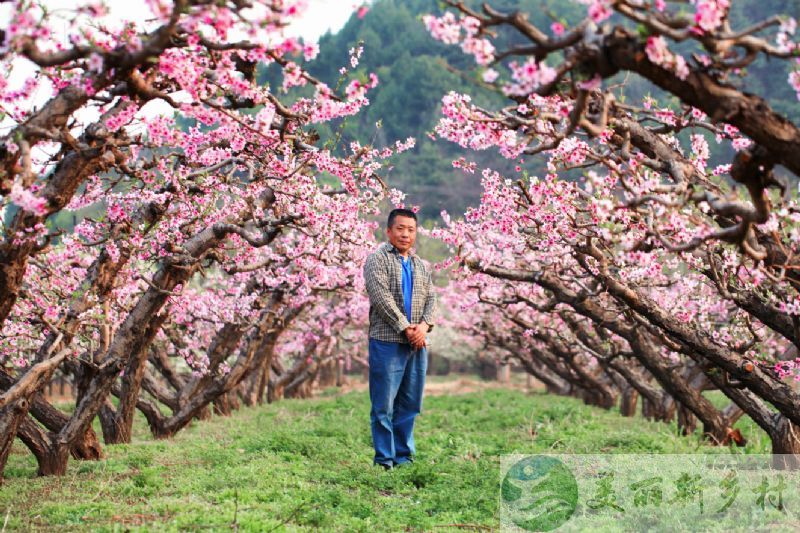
306	464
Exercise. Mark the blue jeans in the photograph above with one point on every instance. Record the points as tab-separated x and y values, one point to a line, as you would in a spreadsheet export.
396	381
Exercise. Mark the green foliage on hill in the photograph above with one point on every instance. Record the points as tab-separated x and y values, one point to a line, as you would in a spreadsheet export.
415	71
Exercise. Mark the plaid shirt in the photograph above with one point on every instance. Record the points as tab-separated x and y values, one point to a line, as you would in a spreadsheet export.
383	274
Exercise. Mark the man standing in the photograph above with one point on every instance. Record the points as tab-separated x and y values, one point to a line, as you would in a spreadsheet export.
402	304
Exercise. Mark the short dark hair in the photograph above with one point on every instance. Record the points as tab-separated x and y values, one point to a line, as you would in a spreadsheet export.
400	213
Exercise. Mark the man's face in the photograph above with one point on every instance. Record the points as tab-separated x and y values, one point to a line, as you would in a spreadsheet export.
402	233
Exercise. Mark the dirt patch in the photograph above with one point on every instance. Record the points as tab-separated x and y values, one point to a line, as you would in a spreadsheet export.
458	385
466	385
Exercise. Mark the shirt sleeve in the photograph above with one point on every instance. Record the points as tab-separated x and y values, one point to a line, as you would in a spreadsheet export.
429	310
377	284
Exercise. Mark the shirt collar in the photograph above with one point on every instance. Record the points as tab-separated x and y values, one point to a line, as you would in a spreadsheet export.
389	247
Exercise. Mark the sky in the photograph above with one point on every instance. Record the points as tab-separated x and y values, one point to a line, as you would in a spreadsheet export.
323	15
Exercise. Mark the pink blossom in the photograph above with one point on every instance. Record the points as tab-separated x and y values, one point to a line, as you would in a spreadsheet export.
355	89
265	116
657	50
123	117
293	76
700	151
116	211
699	146
740	143
471	25
291	46
28	201
482	49
709	14
557	28
355	55
528	77
659	53
721	170
730	130
310	51
794	81
445	28
95	63
490	75
599	10
681	67
113	251
698	114
466	166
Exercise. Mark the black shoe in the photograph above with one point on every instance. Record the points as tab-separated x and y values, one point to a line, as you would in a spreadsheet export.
384	465
404	463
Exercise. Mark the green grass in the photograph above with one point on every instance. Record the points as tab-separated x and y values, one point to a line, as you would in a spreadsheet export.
307	464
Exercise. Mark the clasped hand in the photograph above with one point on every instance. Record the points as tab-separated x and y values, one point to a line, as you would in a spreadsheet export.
416	335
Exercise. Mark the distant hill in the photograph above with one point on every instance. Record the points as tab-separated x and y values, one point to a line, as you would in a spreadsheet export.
415	71
414	75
